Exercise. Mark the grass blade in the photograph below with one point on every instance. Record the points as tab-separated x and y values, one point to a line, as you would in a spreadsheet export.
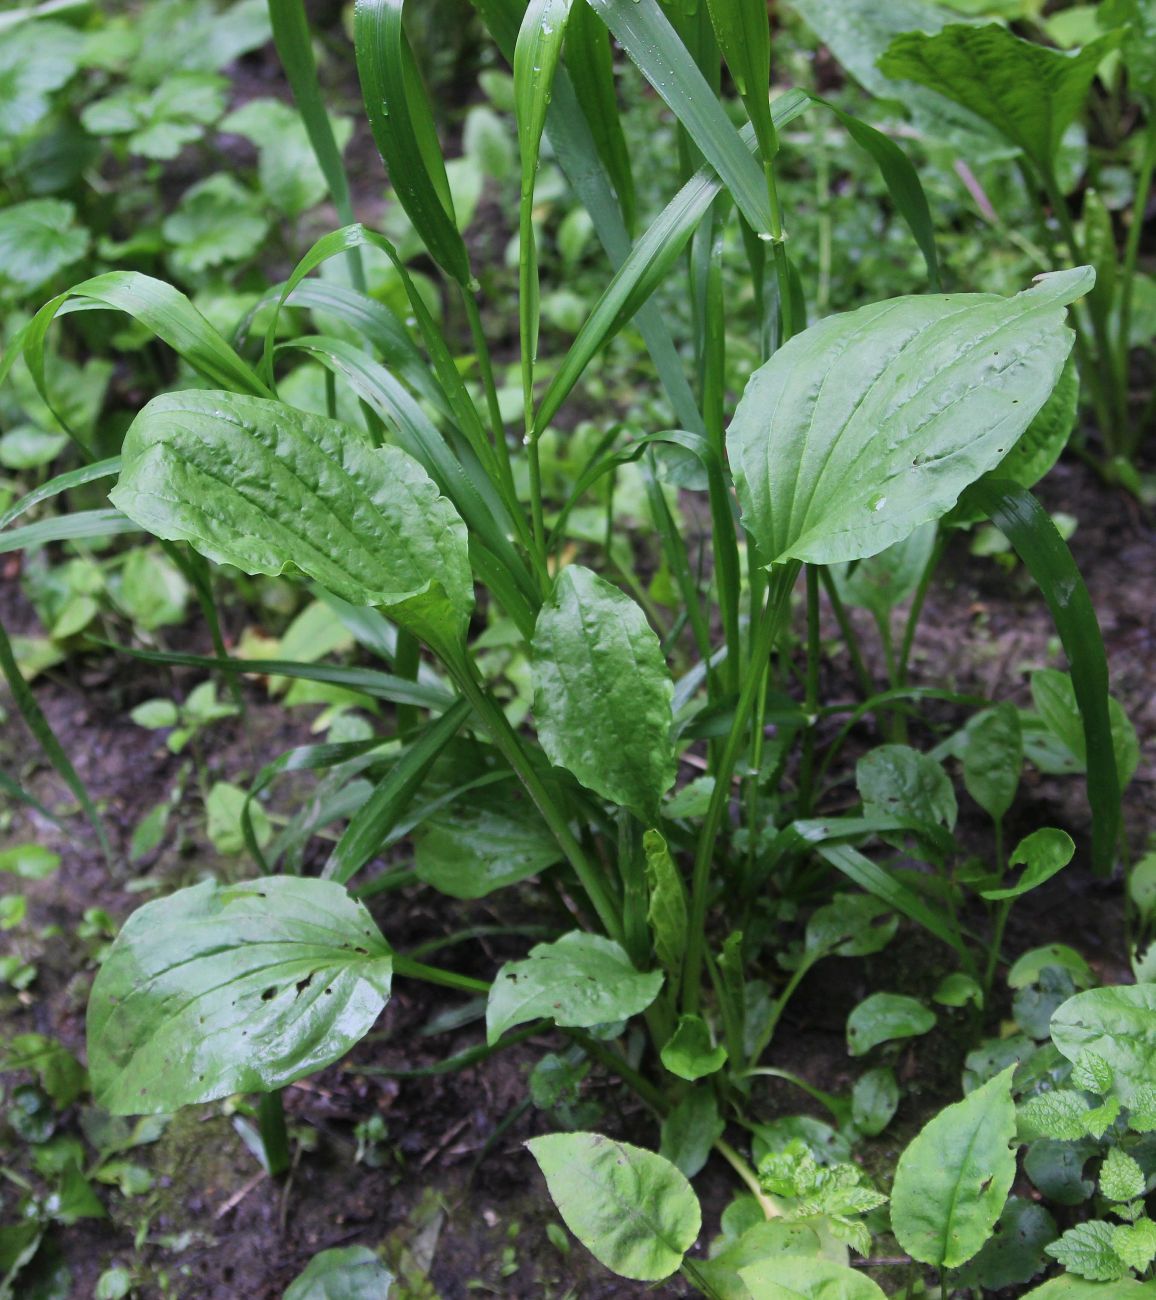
64	528
1027	525
61	483
41	729
643	31
403	129
364	834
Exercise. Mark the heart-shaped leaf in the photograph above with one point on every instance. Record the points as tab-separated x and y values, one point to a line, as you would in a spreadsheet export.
630	1208
257	484
219	989
871	423
579	980
690	1053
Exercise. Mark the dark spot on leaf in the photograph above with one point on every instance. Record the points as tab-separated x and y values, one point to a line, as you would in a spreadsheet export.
269	994
985	1184
363	951
329	990
302	985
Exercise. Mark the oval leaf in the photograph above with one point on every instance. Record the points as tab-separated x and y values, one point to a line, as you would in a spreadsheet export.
690	1053
1042	854
1119	1026
993	757
267	488
232	988
630	1208
873	422
953	1179
791	1277
577	981
883	1017
343	1273
602	692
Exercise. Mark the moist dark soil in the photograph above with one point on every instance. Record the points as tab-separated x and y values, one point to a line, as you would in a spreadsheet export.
451	1192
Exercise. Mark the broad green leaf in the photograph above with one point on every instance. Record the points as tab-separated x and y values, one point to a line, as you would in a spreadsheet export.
1075	1288
898	781
60	1074
1027	91
38	239
957	990
1040	447
1056	1169
342	1273
482	843
952	1181
35	60
259	485
577	981
219	989
992	759
883	1017
1055	698
1014	1254
1042	854
871	423
630	1208
796	1277
690	1130
851	925
690	1053
874	1100
1135	1243
1139	44
1117	1024
217	221
225	807
1061	1114
602	692
883	581
666	911
1086	1250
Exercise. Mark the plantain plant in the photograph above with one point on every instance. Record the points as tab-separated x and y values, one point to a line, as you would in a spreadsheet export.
423	518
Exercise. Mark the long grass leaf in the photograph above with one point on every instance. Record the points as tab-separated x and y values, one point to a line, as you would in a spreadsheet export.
368	828
73	478
66	528
41	729
643	31
1027	525
591	64
402	125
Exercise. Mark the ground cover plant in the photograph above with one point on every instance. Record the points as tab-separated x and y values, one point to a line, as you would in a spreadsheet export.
578	606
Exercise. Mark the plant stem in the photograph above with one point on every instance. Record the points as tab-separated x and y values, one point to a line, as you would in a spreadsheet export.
811	693
1128	270
778	603
850	640
448	979
274	1134
933	561
506	738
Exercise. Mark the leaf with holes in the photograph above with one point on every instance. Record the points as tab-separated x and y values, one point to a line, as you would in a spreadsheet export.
232	988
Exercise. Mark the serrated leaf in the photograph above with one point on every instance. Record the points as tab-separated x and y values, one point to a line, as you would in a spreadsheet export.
883	1017
1119	1025
1135	1243
579	980
1061	1115
35	59
254	483
219	989
952	1181
1086	1250
1042	854
1121	1178
630	1208
38	239
1029	92
871	423
602	692
690	1053
1092	1073
217	221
